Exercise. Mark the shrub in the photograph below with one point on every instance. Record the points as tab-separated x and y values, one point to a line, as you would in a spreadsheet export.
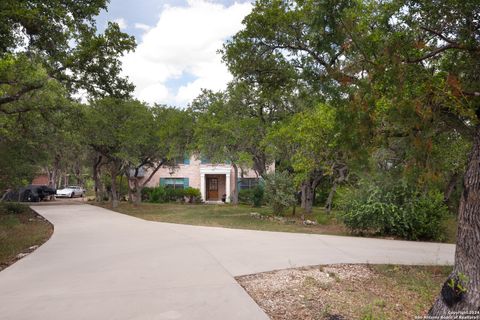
396	210
13	208
258	196
162	195
193	195
245	196
279	191
253	196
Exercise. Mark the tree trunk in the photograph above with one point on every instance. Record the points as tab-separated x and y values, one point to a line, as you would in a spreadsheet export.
96	177
138	196
114	188
52	181
452	183
467	254
260	164
341	172
302	196
234	194
308	190
329	202
308	197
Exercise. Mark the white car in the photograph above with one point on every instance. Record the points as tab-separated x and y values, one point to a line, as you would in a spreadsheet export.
71	191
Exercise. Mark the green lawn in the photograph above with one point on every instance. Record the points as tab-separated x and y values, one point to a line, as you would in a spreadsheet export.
230	216
19	231
239	217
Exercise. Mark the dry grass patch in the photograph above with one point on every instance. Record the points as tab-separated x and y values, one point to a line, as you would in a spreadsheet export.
21	231
346	291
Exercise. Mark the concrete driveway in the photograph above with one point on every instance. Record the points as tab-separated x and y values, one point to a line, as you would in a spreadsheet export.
103	265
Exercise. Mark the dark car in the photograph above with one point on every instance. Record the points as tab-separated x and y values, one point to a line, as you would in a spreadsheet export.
34	193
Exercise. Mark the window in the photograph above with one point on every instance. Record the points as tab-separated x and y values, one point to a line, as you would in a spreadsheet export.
248	183
185	159
174	183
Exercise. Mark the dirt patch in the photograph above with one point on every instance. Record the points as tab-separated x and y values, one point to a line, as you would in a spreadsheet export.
346	291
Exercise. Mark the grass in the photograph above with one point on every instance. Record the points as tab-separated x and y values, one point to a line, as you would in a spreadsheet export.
20	229
357	291
230	216
238	217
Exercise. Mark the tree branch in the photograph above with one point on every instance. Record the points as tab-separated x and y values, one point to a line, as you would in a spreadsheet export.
11	98
440	35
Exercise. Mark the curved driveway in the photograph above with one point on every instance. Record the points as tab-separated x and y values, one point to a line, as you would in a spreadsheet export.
103	265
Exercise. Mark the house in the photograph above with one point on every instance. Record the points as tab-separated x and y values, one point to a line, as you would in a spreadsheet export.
215	181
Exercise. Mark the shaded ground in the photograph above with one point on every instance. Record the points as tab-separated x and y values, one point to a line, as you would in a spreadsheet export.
346	291
20	233
239	217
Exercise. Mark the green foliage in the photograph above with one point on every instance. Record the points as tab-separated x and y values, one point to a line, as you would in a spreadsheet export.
279	191
254	196
396	210
193	194
245	196
67	40
258	195
162	194
13	208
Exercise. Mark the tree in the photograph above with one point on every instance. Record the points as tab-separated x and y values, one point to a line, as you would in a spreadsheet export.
62	36
388	61
223	132
33	128
49	51
166	135
112	130
311	140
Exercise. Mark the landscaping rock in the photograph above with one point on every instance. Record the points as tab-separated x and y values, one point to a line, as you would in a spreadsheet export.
256	215
21	255
33	248
310	223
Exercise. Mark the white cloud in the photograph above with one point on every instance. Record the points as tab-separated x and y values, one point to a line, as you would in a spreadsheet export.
122	23
184	41
142	26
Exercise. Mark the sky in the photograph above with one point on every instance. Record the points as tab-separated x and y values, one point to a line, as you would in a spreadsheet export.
177	44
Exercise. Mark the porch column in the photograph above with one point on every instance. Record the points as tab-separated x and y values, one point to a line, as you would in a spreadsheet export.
202	186
227	186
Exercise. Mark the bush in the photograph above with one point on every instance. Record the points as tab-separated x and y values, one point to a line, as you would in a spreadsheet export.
245	196
396	210
258	196
253	196
13	208
279	191
162	195
193	195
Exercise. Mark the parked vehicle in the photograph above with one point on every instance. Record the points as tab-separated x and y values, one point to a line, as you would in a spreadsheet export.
30	193
71	191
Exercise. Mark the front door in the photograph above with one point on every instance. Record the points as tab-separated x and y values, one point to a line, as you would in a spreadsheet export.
212	188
